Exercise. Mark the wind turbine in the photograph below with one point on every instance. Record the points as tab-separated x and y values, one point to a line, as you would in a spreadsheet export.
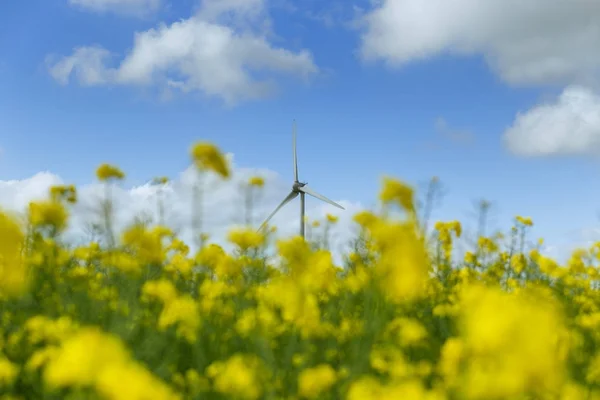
299	188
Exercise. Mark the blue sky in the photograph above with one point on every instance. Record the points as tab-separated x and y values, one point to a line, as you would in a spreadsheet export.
372	107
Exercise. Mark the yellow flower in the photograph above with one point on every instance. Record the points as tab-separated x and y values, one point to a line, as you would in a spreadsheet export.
313	382
68	193
41	329
210	256
13	270
92	358
256	181
518	262
451	357
8	372
246	239
445	230
407	331
526	221
162	289
470	257
82	356
141	384
402	267
237	377
397	192
41	357
365	388
107	172
366	219
332	219
513	341
182	311
147	244
487	245
48	213
122	261
208	156
181	264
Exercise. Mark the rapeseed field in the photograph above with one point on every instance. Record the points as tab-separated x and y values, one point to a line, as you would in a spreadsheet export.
140	316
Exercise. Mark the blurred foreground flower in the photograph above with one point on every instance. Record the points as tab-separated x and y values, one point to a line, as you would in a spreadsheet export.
13	269
208	156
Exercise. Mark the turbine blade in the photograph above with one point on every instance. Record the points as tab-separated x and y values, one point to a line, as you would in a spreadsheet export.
311	192
295	153
289	198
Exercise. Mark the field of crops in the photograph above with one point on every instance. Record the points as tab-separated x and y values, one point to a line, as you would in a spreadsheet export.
140	316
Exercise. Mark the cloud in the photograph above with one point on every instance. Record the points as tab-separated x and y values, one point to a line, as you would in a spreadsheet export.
126	7
452	134
445	135
86	63
223	206
569	126
525	42
215	52
233	12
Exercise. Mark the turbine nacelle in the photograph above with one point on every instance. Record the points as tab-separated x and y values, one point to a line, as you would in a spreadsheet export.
297	185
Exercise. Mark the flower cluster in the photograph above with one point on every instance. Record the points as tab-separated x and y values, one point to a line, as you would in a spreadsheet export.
146	316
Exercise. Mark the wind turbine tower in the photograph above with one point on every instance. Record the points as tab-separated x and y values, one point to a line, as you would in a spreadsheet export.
299	188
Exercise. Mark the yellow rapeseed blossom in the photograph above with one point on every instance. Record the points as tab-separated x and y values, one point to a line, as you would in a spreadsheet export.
13	269
181	311
162	289
82	356
445	230
256	181
400	318
487	245
518	263
238	377
512	341
208	156
141	384
41	329
525	221
313	382
48	214
246	239
91	358
62	192
106	172
406	331
395	191
210	255
147	244
8	372
402	268
124	262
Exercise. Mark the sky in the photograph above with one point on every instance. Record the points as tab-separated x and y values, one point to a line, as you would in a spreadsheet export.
499	99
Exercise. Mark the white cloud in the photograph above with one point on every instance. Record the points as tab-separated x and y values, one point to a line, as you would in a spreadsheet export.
233	11
569	126
526	42
462	136
86	63
223	206
127	7
214	52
